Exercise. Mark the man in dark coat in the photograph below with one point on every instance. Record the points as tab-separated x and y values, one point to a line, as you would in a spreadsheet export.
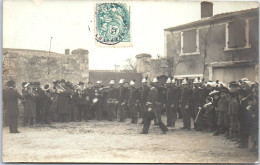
29	104
185	100
82	102
176	99
169	103
62	102
46	104
91	94
98	100
151	106
10	101
133	100
143	97
123	96
111	101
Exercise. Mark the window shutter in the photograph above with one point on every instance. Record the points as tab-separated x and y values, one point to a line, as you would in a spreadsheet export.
189	41
231	35
240	33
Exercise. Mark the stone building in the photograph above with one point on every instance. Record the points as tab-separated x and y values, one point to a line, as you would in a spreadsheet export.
24	65
149	67
221	47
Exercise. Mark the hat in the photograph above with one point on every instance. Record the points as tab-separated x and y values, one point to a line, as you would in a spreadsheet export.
169	81
249	83
184	81
121	81
155	80
244	79
132	82
196	81
89	82
112	82
98	82
173	81
26	85
81	83
10	83
213	93
234	83
144	80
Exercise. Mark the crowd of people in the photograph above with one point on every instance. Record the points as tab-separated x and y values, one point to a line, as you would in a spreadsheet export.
230	109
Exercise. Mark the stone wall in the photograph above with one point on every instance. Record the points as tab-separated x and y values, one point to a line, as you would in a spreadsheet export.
23	65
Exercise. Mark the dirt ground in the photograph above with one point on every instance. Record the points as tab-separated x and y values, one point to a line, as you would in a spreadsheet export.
106	141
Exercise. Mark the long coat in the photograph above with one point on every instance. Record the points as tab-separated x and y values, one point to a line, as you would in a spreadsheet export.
10	100
29	105
63	103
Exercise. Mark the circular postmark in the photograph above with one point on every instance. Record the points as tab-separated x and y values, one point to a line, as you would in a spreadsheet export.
112	23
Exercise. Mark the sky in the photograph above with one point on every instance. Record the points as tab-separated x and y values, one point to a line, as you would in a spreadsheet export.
29	24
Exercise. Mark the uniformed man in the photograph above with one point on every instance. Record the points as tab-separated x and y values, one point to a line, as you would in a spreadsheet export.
176	99
233	116
196	105
123	96
223	113
143	97
91	94
185	100
29	104
151	106
98	100
62	102
111	101
46	103
10	105
169	102
161	101
82	102
133	101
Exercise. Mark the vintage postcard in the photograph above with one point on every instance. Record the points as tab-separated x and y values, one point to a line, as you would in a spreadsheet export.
130	81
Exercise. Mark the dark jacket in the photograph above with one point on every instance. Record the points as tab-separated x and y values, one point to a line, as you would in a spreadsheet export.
133	95
169	95
10	100
144	93
185	97
29	104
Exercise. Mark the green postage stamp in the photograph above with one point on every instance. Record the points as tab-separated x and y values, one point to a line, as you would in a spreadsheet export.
112	25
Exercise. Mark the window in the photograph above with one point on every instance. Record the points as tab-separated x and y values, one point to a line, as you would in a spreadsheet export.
237	35
189	42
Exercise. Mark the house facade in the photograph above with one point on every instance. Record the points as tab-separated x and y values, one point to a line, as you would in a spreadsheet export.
223	47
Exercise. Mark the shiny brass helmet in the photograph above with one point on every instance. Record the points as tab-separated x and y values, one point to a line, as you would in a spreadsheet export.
46	87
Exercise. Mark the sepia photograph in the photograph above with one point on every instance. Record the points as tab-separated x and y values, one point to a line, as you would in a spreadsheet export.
131	81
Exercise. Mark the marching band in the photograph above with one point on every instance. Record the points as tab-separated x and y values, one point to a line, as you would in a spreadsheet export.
230	109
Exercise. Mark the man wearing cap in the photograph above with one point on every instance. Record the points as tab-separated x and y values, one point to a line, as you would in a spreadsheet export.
91	94
62	102
10	105
176	99
29	104
133	100
143	97
151	106
98	100
233	115
185	100
123	96
223	103
46	103
196	105
111	101
169	103
82	102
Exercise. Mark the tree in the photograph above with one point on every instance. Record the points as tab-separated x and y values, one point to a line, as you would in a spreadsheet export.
175	59
130	65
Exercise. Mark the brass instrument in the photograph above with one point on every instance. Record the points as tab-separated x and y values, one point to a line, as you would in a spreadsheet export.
61	88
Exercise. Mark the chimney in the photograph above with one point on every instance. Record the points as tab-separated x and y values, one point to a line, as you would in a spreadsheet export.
206	9
67	51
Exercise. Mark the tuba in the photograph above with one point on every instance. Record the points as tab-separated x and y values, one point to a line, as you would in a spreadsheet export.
46	87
